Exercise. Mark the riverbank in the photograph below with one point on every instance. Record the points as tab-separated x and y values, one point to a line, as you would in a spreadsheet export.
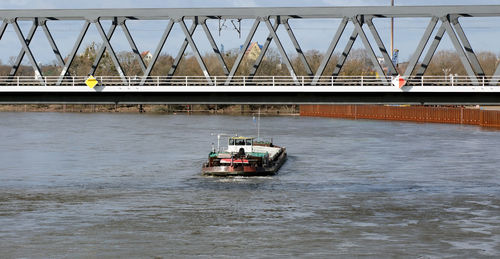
109	108
480	116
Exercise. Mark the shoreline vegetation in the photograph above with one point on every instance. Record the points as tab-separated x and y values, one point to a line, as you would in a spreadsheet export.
485	116
358	63
159	109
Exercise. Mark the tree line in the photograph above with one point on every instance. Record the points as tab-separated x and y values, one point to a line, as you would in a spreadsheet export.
358	63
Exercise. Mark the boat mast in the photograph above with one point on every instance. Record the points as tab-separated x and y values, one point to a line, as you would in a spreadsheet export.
258	126
218	143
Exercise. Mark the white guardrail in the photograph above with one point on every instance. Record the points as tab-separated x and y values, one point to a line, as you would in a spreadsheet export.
20	81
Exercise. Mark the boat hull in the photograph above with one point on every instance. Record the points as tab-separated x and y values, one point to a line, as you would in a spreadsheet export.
244	170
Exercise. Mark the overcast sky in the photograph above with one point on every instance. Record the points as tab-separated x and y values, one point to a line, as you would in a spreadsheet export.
313	34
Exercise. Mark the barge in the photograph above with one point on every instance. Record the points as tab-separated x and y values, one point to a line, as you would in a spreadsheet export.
245	156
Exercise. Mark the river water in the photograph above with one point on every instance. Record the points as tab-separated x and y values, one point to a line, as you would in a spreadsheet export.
129	185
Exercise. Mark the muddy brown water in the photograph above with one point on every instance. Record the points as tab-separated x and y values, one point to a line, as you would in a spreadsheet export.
129	185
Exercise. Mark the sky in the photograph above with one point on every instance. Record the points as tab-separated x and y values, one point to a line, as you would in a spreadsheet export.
58	4
311	34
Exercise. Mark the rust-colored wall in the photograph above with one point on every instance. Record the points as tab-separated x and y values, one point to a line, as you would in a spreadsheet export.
490	118
454	115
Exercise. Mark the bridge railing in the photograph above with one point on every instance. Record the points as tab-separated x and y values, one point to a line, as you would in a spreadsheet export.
356	81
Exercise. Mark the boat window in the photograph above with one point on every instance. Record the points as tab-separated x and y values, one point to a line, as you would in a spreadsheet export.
231	142
240	142
249	142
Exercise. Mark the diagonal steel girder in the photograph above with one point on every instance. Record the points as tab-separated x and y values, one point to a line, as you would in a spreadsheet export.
102	49
244	48
421	46
358	27
282	51
432	49
345	53
52	43
298	48
72	55
111	51
358	31
182	50
260	58
195	50
215	47
26	49
157	52
3	27
445	27
471	55
263	51
381	47
132	44
460	50
23	52
109	35
331	49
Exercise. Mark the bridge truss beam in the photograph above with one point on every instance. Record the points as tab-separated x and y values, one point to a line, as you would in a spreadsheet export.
285	97
447	16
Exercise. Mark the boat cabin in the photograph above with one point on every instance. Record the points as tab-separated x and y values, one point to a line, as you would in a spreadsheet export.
236	143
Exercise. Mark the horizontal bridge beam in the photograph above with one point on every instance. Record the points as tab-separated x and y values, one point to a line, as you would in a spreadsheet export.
252	98
251	13
278	88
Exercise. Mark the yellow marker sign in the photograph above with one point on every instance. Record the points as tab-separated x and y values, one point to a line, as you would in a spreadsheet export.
91	82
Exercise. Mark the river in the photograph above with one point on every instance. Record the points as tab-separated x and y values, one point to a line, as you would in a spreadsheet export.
129	185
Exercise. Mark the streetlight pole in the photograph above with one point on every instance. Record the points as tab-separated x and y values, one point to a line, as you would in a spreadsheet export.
392	33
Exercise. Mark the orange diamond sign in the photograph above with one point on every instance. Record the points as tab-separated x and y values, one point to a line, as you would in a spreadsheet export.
91	82
399	81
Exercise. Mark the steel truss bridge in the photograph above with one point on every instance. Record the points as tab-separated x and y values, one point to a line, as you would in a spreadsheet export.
315	87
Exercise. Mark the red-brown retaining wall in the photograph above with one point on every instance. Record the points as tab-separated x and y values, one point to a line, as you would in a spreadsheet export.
453	115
